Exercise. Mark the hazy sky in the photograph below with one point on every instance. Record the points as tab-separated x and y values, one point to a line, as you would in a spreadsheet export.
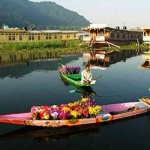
132	13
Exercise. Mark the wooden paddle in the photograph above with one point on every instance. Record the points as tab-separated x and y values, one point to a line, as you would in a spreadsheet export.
94	80
98	77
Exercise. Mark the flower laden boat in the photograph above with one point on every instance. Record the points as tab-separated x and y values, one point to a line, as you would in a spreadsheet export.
72	75
81	112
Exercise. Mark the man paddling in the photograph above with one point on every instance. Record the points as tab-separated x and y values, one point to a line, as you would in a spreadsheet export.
86	75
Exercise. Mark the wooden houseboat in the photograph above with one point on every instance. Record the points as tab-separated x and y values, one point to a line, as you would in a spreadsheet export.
101	34
146	34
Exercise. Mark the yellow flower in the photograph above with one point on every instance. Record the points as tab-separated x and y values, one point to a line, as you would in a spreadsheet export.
74	114
91	110
98	108
66	109
94	110
71	104
84	99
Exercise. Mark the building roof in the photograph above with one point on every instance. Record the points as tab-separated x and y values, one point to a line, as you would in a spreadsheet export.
34	31
51	31
70	31
95	26
146	27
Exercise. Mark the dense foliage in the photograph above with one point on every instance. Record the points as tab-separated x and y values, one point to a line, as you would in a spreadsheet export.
44	14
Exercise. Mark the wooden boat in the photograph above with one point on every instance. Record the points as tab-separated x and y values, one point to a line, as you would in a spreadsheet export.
109	112
73	79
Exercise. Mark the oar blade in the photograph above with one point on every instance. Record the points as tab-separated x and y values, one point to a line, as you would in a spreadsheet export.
72	91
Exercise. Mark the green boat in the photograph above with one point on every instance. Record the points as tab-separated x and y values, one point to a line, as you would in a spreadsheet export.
73	79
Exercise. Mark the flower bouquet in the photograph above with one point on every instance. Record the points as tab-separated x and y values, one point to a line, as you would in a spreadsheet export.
84	108
70	69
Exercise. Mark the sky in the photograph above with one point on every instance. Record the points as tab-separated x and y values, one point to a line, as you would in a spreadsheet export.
131	13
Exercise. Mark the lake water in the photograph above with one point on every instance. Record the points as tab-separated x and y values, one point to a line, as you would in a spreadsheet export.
39	83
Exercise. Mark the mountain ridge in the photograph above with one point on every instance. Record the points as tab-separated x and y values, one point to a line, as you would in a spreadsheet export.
42	14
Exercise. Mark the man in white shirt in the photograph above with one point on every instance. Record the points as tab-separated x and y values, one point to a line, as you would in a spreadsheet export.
86	76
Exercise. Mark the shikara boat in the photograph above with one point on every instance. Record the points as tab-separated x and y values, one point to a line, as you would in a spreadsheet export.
108	113
73	79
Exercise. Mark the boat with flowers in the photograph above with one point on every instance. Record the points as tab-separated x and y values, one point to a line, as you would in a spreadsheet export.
72	75
81	112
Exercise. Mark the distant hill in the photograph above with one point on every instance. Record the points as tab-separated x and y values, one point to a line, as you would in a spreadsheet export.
22	13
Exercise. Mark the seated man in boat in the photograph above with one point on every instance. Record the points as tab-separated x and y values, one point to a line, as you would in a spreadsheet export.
86	75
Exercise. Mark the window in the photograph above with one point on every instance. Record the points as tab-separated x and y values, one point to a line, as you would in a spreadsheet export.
68	36
123	35
118	35
31	37
48	36
20	38
112	34
55	36
11	38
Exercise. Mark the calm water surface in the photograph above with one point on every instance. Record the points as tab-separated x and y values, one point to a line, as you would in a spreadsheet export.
39	83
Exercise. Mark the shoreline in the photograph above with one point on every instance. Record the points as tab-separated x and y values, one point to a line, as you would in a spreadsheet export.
16	52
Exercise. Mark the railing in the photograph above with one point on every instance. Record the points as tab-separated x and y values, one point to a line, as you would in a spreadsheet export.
86	38
98	39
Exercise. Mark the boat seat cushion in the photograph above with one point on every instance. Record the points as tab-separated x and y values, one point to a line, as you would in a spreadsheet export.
104	115
140	105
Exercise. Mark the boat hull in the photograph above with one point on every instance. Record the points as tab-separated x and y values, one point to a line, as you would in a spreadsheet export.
121	110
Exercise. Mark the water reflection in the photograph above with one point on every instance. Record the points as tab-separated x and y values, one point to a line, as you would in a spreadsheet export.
44	134
20	70
86	92
102	59
145	61
17	57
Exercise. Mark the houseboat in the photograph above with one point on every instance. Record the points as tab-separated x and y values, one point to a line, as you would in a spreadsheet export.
146	35
101	34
